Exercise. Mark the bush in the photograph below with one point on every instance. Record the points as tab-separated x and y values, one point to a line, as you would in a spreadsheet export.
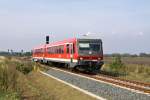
117	65
24	67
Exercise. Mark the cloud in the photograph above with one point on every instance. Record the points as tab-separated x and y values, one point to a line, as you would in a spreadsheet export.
114	33
140	33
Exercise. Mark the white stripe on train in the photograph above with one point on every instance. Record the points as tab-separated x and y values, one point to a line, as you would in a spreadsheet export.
59	59
55	59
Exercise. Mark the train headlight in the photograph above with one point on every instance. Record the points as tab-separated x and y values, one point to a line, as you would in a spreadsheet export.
81	58
99	58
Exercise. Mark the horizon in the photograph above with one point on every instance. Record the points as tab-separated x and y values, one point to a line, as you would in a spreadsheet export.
123	25
6	51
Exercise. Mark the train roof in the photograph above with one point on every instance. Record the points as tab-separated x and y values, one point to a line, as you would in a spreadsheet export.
64	41
70	40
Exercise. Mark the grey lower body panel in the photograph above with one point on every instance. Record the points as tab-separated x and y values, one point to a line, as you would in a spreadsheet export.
90	66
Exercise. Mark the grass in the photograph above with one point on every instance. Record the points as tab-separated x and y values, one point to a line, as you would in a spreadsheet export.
138	72
55	89
20	79
8	80
8	96
13	82
131	60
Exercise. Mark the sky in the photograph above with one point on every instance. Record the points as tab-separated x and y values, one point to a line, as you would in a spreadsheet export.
123	25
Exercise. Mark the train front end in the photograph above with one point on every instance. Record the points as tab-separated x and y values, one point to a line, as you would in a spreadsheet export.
90	54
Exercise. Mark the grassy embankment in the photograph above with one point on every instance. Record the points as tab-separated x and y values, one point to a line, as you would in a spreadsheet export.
18	81
132	68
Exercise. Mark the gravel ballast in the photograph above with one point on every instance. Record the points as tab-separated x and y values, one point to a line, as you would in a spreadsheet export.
101	89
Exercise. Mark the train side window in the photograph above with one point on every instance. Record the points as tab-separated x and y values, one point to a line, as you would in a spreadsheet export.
49	50
52	50
67	46
55	50
42	50
62	49
59	50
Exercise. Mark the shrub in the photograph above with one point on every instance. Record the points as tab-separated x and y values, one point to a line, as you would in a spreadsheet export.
24	68
117	65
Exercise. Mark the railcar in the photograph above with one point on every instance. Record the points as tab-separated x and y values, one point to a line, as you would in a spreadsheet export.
76	53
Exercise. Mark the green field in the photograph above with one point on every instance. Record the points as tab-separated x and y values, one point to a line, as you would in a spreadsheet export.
131	60
135	68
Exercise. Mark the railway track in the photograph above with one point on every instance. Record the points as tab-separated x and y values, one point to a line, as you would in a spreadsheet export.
104	86
135	85
143	87
98	87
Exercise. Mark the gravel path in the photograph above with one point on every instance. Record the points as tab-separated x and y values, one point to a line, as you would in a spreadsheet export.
101	89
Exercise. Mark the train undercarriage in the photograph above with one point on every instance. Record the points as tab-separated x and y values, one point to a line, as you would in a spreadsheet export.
85	66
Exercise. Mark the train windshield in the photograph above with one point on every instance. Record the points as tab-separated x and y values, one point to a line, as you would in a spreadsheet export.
92	47
89	46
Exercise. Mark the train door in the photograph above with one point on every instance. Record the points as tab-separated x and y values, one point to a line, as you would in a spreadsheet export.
70	51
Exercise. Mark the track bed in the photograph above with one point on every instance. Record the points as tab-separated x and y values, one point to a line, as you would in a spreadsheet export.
98	88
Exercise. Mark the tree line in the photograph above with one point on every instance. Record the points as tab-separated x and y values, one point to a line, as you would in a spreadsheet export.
3	53
22	53
128	55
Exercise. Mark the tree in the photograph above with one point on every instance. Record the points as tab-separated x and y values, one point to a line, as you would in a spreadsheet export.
144	55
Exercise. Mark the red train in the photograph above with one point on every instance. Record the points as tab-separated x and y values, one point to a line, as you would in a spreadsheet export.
82	54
